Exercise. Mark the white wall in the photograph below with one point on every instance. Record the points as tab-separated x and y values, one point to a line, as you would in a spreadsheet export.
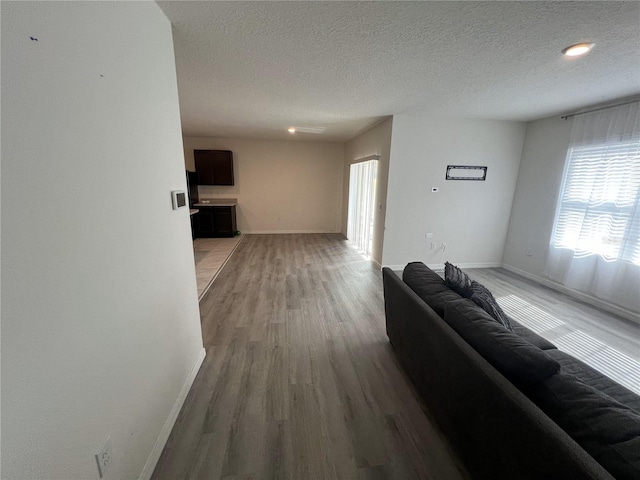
281	186
375	141
470	217
536	196
100	322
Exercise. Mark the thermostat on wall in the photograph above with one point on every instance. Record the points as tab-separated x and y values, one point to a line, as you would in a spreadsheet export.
178	199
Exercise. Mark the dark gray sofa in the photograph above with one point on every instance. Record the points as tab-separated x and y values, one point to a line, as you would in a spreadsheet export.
511	404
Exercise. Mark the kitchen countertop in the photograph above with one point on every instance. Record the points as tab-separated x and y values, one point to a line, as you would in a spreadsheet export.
193	210
217	202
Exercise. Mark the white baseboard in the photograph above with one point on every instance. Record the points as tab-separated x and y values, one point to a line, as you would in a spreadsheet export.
440	266
583	297
275	232
479	265
154	456
377	264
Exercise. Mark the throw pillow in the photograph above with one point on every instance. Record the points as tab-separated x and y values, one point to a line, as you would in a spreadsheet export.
457	280
481	296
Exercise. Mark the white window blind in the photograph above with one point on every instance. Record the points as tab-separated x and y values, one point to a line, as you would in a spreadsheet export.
599	212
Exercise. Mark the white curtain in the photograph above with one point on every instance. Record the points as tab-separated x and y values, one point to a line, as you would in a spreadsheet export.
362	188
595	245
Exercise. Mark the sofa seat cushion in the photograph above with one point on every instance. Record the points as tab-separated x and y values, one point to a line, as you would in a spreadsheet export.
572	366
519	361
608	430
429	286
531	336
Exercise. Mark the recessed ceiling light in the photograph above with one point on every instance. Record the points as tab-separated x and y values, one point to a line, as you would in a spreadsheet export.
577	49
291	130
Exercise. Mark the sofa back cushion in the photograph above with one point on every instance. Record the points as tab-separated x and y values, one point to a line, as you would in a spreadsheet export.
429	286
532	337
519	361
607	429
570	365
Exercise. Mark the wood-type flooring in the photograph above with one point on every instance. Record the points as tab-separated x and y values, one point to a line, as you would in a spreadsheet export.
300	381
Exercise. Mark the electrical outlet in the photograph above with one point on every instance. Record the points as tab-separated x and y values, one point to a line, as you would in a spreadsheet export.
104	458
529	252
433	245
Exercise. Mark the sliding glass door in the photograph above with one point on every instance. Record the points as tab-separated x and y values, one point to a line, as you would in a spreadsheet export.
362	188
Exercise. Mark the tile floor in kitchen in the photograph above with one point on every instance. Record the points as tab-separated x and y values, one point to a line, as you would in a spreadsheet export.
210	255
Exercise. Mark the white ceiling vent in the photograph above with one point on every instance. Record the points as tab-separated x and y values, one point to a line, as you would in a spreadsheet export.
314	130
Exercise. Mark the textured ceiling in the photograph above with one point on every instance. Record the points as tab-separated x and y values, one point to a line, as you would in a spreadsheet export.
253	69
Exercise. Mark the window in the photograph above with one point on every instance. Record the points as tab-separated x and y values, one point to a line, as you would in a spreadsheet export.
595	244
599	210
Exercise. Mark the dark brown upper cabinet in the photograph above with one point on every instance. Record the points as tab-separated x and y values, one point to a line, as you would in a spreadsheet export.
214	167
